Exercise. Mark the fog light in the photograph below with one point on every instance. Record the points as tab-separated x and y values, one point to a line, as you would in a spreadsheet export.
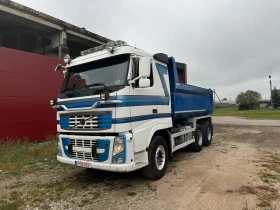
118	160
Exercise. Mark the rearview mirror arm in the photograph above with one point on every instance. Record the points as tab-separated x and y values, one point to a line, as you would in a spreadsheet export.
133	81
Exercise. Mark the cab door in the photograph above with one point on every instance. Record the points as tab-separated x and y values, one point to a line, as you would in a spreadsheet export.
144	107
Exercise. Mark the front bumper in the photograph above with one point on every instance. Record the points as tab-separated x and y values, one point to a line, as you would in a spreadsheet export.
127	167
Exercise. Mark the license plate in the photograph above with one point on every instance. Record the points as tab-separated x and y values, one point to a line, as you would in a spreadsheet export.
82	164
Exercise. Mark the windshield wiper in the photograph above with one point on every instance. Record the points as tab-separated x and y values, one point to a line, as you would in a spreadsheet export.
74	91
96	84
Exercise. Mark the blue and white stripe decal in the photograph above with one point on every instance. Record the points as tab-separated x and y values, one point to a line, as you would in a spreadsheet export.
104	121
65	142
142	100
64	122
139	118
139	100
104	144
162	70
136	118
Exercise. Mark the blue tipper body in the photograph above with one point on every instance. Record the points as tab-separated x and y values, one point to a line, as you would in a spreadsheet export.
187	100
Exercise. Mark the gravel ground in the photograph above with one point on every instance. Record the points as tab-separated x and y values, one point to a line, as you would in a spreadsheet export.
240	170
244	121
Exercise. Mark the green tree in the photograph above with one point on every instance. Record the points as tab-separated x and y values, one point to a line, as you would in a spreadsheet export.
248	100
275	98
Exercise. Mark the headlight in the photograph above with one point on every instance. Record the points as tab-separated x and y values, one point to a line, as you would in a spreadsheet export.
118	145
59	151
52	102
67	58
57	139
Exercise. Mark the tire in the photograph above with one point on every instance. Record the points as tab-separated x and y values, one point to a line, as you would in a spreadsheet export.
208	133
199	139
157	149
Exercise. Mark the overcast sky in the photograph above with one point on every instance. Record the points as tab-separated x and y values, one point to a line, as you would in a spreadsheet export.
228	45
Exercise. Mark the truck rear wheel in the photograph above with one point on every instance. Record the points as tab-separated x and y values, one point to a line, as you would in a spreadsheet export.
208	132
199	139
158	158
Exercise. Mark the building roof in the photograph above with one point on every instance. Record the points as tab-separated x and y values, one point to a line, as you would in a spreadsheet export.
47	20
26	29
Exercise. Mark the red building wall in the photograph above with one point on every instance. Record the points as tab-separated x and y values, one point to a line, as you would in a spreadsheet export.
27	83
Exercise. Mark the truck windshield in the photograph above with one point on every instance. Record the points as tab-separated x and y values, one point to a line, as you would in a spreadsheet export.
101	74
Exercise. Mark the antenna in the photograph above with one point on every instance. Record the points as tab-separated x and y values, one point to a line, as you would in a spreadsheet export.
135	44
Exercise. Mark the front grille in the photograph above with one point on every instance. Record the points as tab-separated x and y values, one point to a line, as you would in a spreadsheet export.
86	122
83	155
90	122
83	142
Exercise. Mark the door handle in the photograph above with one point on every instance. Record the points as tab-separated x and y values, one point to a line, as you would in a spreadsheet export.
154	111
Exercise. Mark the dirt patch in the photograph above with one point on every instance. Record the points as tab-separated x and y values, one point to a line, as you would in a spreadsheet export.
226	174
243	121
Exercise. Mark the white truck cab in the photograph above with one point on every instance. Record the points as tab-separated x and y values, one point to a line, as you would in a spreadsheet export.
114	112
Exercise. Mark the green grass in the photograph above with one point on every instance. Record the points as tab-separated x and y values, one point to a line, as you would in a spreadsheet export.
264	204
131	193
266	177
54	191
17	158
14	205
152	188
84	202
254	114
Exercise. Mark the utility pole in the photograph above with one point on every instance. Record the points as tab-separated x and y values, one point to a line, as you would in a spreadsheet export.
270	91
218	97
214	94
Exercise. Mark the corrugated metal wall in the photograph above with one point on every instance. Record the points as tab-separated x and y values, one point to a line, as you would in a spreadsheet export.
27	82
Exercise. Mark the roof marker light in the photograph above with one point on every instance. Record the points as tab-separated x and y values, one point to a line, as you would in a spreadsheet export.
109	46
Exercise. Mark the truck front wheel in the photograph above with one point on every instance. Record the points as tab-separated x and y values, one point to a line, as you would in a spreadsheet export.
158	158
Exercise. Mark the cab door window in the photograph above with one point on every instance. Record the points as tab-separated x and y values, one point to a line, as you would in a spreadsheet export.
135	73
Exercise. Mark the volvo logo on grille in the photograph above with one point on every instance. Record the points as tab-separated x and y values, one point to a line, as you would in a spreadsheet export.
82	122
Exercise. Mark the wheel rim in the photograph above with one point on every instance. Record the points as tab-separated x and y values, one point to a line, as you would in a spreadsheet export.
209	134
199	136
160	157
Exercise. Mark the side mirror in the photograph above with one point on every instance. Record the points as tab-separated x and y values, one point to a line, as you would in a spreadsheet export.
58	67
144	83
53	102
144	67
